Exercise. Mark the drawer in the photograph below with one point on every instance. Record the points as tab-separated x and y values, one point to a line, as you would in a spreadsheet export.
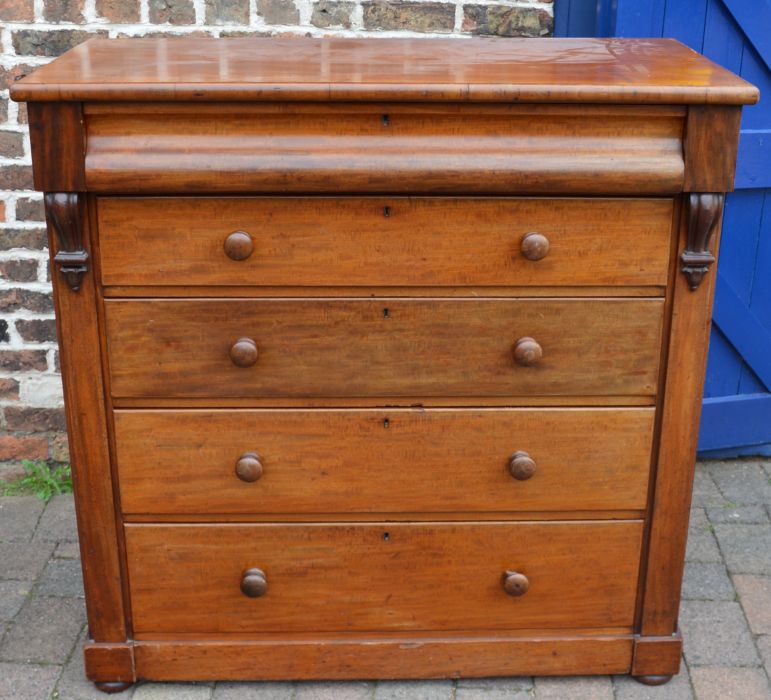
385	347
359	577
374	461
382	242
384	148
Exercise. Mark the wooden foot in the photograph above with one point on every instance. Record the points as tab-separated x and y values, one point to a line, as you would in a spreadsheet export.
653	680
112	686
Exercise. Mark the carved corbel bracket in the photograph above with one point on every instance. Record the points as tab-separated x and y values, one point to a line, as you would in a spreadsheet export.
63	212
704	210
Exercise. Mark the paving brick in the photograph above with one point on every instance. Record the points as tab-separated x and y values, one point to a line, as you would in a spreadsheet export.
12	597
705	492
730	684
583	688
334	691
172	691
413	690
73	684
755	597
67	550
494	688
62	578
253	691
739	514
23	561
702	545
764	647
57	523
747	548
707	581
716	633
679	688
27	682
18	517
743	483
491	694
44	631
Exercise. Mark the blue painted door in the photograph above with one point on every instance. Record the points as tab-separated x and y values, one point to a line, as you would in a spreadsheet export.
736	415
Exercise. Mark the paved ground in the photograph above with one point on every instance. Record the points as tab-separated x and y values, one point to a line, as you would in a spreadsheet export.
726	614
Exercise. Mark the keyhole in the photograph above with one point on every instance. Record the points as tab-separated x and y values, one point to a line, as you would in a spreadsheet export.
386	313
386	536
386	120
386	423
386	212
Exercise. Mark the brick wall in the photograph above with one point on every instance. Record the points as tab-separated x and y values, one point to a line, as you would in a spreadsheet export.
33	33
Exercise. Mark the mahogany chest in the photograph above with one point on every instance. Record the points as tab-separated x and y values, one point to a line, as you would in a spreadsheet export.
382	358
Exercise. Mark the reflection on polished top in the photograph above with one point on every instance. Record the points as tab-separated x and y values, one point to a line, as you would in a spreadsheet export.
494	70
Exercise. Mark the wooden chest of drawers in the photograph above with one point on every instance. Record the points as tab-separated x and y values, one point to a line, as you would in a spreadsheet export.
382	358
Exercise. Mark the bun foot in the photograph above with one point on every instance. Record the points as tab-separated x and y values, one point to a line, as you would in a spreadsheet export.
112	686
653	680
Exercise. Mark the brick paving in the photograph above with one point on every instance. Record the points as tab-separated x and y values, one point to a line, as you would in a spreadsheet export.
726	614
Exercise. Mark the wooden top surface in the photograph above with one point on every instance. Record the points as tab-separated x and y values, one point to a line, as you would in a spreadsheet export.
638	71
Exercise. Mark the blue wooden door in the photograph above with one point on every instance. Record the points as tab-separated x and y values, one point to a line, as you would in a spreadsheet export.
736	415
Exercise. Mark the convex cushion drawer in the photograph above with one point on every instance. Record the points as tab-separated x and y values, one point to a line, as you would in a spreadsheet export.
383	241
364	577
377	461
384	347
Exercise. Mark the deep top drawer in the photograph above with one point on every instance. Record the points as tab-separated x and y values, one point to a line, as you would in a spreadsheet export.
377	241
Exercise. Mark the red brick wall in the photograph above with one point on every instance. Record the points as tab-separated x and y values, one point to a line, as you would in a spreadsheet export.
33	32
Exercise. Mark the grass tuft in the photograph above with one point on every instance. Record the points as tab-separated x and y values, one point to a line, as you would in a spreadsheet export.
41	480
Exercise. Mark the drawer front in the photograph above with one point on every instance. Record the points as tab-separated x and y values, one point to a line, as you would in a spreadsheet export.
433	576
386	347
373	461
393	148
381	242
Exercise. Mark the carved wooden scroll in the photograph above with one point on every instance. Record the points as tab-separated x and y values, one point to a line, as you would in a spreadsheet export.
703	217
63	215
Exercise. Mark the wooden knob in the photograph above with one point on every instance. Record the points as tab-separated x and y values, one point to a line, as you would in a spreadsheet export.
244	352
522	466
249	467
534	246
515	584
239	245
253	583
527	352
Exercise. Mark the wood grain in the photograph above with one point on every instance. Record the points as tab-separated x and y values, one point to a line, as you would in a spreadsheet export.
84	400
407	657
711	143
382	348
680	411
57	138
337	69
377	241
327	461
348	149
326	578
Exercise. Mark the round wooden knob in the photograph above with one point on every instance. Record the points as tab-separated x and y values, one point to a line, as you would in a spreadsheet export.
253	583
239	245
244	352
534	246
527	352
249	467
515	584
522	466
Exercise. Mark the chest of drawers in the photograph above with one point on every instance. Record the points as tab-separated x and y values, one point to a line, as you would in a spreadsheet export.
382	358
